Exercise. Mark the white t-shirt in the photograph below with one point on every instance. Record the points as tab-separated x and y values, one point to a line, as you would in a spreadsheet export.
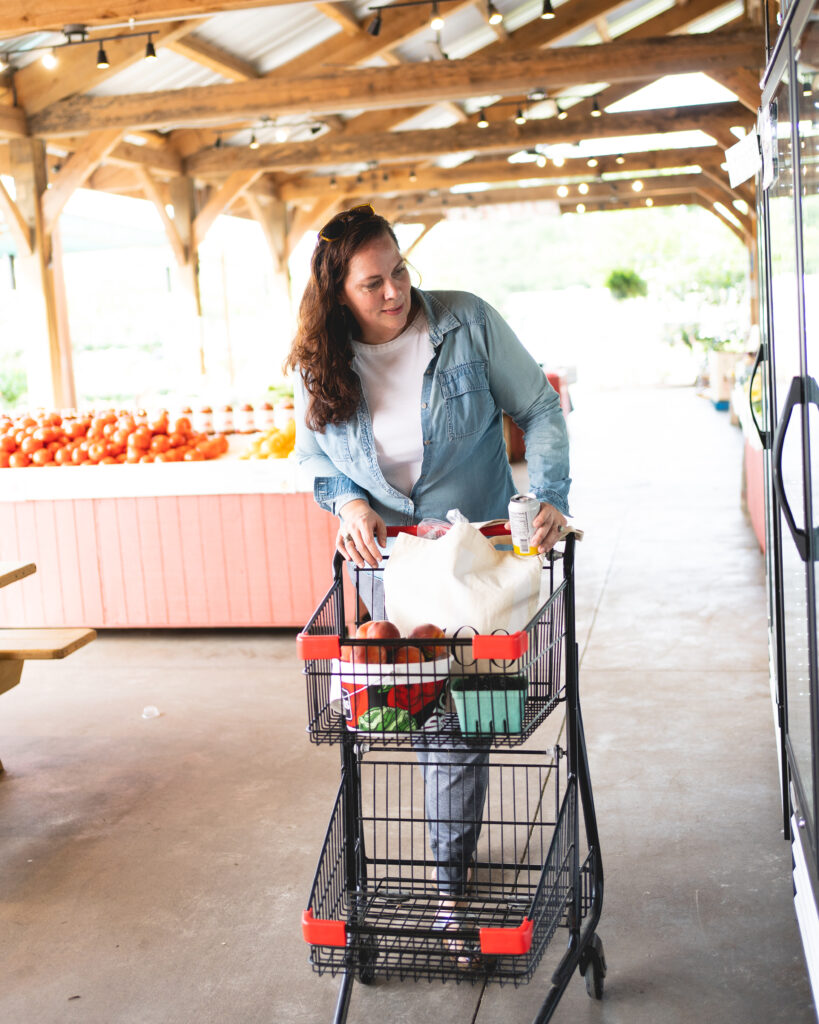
392	376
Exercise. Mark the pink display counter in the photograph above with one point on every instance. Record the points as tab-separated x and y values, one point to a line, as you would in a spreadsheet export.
211	544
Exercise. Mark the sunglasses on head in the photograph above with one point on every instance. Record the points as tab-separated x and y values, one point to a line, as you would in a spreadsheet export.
335	228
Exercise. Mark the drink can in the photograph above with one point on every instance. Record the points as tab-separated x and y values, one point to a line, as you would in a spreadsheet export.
522	511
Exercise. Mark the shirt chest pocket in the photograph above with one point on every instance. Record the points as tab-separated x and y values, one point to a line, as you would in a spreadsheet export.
335	443
467	398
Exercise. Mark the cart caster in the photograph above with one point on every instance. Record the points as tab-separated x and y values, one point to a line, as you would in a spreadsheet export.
366	965
593	967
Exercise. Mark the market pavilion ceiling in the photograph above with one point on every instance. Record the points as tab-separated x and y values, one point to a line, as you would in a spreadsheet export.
287	113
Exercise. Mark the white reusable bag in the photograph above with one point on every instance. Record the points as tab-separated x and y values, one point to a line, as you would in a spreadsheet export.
459	580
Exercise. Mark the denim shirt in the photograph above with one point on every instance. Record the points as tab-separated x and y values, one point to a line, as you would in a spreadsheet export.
479	370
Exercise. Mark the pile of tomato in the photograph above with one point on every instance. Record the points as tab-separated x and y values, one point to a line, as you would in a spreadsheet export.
106	437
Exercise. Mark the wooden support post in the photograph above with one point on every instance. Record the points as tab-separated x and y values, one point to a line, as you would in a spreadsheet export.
48	345
272	218
182	199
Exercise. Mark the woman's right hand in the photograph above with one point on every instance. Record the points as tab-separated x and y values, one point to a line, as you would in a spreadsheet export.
360	533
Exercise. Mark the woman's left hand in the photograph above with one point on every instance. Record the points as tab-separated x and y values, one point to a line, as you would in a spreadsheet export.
547	528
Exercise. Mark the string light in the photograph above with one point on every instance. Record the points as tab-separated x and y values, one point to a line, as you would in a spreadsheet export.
482	121
547	12
375	25
595	110
495	16
592	162
581	207
620	160
520	117
77	35
583	188
649	201
254	142
436	22
562	191
562	113
637	185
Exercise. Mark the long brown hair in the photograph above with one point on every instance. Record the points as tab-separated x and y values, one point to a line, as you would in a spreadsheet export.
321	350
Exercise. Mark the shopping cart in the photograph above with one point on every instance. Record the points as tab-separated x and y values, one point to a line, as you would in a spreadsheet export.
374	909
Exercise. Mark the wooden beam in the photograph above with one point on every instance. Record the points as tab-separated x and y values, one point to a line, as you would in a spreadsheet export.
502	138
228	65
417	83
343	15
272	218
166	162
311	220
37	87
235	185
76	171
19	17
13	122
153	192
20	230
496	171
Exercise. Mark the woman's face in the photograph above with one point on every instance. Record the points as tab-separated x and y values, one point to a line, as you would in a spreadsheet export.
377	291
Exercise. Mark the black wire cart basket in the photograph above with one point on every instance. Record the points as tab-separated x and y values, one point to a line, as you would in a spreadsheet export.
375	909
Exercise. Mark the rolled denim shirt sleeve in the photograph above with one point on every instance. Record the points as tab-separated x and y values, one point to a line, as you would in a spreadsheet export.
332	489
522	390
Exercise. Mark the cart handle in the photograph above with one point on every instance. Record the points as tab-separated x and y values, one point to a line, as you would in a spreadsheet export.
494	528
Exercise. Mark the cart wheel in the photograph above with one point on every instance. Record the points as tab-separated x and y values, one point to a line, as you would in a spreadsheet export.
595	970
366	965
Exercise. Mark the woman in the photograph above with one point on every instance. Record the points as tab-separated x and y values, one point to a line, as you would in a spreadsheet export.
399	399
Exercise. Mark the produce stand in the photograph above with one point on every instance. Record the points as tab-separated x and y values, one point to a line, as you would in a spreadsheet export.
753	469
204	544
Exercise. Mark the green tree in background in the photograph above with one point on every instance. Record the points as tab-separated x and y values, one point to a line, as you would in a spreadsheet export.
626	284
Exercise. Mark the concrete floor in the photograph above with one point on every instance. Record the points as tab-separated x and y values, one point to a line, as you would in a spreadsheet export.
155	871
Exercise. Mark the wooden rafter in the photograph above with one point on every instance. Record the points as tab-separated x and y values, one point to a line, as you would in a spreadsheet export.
20	230
221	199
342	14
77	169
37	87
409	83
153	192
19	17
13	122
213	57
498	171
501	138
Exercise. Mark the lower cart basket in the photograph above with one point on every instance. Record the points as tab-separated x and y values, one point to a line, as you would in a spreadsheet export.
379	911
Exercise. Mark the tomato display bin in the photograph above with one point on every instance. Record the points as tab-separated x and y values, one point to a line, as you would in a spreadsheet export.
224	543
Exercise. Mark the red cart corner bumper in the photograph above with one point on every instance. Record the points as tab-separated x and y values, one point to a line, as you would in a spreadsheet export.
507	941
323	932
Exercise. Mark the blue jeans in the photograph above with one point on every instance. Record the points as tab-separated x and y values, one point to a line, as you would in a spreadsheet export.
455	775
455	781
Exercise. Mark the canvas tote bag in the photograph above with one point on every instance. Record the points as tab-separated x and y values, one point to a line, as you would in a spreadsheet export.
460	580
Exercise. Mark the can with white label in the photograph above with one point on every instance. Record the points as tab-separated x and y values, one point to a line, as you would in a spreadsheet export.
522	511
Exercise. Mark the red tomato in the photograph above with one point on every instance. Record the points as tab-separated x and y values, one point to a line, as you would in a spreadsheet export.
7	443
4	459
194	455
18	459
42	457
30	445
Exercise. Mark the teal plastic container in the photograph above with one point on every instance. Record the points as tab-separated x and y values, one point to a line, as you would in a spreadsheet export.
489	704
